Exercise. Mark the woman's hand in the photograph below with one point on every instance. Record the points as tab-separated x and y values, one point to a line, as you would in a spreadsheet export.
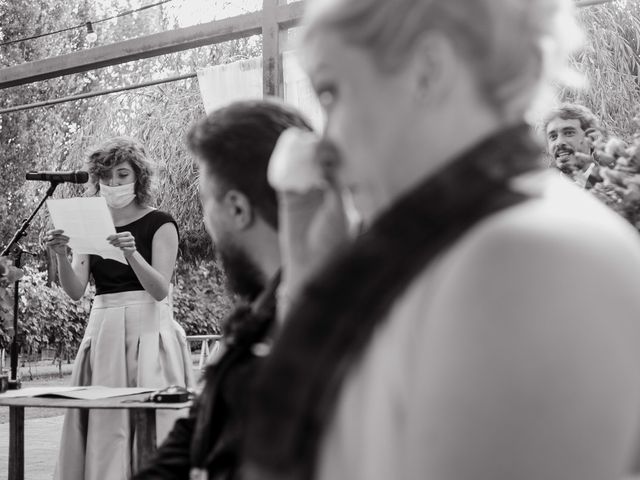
313	224
125	242
73	275
57	241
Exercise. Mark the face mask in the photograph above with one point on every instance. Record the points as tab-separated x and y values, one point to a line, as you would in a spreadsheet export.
118	197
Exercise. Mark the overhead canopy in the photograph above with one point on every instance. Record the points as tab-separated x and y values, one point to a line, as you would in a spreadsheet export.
274	17
269	22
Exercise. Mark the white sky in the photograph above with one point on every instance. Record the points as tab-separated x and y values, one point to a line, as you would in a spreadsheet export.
193	12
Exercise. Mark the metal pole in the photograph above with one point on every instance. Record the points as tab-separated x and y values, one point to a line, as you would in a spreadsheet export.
14	383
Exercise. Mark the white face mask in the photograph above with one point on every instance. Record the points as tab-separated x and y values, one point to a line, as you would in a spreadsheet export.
120	196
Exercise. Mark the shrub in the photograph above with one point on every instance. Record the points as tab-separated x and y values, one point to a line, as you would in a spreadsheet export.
199	299
48	318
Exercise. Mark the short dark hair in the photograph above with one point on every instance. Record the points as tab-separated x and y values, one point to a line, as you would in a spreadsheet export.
236	142
573	111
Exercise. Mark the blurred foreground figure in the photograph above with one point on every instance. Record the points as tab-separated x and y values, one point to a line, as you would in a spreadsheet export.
233	146
466	334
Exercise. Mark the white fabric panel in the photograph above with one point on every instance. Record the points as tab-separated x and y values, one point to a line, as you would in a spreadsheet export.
298	90
223	84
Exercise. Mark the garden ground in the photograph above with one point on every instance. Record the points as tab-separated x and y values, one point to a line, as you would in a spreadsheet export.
42	428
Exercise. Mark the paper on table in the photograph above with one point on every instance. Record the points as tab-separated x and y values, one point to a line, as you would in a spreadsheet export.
87	222
38	391
98	392
81	393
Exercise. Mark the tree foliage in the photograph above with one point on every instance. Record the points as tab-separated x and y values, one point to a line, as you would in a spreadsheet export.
57	138
610	62
49	319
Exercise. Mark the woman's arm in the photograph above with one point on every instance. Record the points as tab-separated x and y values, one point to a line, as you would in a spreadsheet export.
73	275
155	278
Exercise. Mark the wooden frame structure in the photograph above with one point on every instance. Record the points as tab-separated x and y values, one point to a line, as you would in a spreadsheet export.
276	16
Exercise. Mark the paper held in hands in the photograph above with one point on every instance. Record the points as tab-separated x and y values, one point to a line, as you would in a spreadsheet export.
87	222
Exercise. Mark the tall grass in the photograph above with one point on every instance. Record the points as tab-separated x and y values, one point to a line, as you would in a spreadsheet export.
610	62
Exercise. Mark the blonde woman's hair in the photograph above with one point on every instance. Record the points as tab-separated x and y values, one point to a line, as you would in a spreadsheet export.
513	46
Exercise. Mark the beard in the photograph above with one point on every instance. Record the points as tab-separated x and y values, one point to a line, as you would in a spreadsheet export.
243	277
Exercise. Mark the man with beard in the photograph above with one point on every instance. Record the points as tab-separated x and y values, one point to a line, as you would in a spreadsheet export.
570	131
233	146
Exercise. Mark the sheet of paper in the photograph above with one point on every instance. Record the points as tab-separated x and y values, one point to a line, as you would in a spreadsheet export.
98	392
38	391
87	222
80	393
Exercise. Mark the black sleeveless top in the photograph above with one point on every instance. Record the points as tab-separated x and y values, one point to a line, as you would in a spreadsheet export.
111	276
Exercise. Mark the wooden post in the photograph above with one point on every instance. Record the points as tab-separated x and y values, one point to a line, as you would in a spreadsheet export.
16	443
276	16
271	58
204	354
144	421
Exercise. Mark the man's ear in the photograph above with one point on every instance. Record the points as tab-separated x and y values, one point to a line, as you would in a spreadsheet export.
239	209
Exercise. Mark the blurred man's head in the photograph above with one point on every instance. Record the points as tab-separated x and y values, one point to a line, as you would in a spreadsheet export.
233	146
567	131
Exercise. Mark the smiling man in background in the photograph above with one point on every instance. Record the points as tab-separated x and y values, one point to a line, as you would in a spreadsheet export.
570	130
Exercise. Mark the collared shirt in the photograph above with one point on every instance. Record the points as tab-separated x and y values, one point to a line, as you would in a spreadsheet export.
582	178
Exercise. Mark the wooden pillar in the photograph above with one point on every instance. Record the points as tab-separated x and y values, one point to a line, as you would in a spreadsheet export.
271	57
144	421
16	443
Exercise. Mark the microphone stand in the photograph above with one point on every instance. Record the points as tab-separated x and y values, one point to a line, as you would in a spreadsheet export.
14	383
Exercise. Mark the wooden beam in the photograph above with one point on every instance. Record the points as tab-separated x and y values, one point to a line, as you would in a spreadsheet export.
590	3
72	98
148	46
290	15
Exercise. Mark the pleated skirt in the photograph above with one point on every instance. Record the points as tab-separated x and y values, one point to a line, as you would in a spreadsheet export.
131	340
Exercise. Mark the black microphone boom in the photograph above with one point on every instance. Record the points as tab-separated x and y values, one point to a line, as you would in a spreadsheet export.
76	176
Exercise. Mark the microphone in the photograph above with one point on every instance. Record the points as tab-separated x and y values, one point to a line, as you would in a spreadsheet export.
76	176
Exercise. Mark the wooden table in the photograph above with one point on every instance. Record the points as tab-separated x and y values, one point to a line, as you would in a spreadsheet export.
142	413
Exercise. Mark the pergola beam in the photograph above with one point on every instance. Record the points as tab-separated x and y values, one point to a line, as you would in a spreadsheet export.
274	18
590	3
218	31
